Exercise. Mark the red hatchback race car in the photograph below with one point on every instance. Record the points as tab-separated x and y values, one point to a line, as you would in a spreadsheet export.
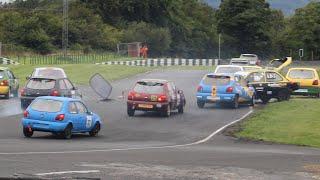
155	95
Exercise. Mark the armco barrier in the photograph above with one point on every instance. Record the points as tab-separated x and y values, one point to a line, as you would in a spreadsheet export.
7	61
165	62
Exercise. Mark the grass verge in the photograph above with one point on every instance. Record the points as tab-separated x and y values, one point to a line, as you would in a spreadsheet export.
292	122
81	73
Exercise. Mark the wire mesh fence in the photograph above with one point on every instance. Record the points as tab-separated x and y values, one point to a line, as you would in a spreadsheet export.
69	59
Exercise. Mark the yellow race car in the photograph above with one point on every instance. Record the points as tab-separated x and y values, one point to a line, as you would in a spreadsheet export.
308	79
8	83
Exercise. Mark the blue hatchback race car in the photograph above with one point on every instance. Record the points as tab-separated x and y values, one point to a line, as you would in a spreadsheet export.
228	89
61	116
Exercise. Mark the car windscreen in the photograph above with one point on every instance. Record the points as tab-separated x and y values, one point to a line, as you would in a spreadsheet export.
1	74
228	70
250	68
57	73
301	74
41	84
149	87
47	105
214	80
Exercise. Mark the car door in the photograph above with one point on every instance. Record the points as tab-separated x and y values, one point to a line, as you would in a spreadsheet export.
13	81
85	119
72	91
63	88
275	83
173	95
74	116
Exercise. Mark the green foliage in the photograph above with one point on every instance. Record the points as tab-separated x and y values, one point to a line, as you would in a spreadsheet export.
246	24
303	31
158	39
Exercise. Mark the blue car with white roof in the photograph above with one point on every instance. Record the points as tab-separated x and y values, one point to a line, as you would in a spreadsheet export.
60	116
226	89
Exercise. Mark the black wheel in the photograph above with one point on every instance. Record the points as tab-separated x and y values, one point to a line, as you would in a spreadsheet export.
95	130
282	95
265	99
166	112
67	133
181	109
130	111
27	132
235	103
200	104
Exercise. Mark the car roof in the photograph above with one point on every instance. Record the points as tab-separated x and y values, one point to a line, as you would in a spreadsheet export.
57	98
154	80
49	77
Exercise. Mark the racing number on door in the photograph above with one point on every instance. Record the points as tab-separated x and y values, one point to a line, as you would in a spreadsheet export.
89	121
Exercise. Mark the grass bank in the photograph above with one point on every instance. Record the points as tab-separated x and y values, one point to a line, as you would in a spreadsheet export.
292	122
81	73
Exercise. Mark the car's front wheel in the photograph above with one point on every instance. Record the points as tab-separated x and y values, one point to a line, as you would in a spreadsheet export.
95	130
27	132
7	96
200	104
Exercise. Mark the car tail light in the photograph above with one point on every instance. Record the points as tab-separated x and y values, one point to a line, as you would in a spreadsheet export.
162	98
315	82
229	89
23	92
4	83
131	95
200	88
25	114
54	93
60	117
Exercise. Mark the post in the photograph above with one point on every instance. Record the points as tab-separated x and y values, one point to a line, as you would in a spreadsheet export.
219	46
0	49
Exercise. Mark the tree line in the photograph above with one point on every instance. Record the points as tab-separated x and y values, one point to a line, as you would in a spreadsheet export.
172	28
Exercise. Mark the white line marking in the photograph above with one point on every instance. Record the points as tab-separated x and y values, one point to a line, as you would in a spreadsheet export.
137	148
67	172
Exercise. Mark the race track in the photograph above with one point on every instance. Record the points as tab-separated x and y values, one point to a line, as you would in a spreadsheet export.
147	146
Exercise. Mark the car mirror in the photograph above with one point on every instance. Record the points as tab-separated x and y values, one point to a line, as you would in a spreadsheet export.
28	77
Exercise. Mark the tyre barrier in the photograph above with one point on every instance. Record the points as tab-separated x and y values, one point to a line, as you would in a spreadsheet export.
165	62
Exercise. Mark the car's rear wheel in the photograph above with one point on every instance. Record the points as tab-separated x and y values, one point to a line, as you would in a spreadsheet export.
265	99
67	133
200	104
95	130
27	132
252	101
282	95
166	112
130	111
235	103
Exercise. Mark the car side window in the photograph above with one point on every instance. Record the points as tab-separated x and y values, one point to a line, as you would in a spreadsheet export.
73	108
10	75
62	85
170	89
68	84
255	77
273	77
81	108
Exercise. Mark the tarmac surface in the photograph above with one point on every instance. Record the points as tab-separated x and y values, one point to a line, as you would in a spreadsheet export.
187	146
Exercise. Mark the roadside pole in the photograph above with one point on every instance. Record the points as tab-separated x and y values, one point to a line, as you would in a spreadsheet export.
219	46
0	49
